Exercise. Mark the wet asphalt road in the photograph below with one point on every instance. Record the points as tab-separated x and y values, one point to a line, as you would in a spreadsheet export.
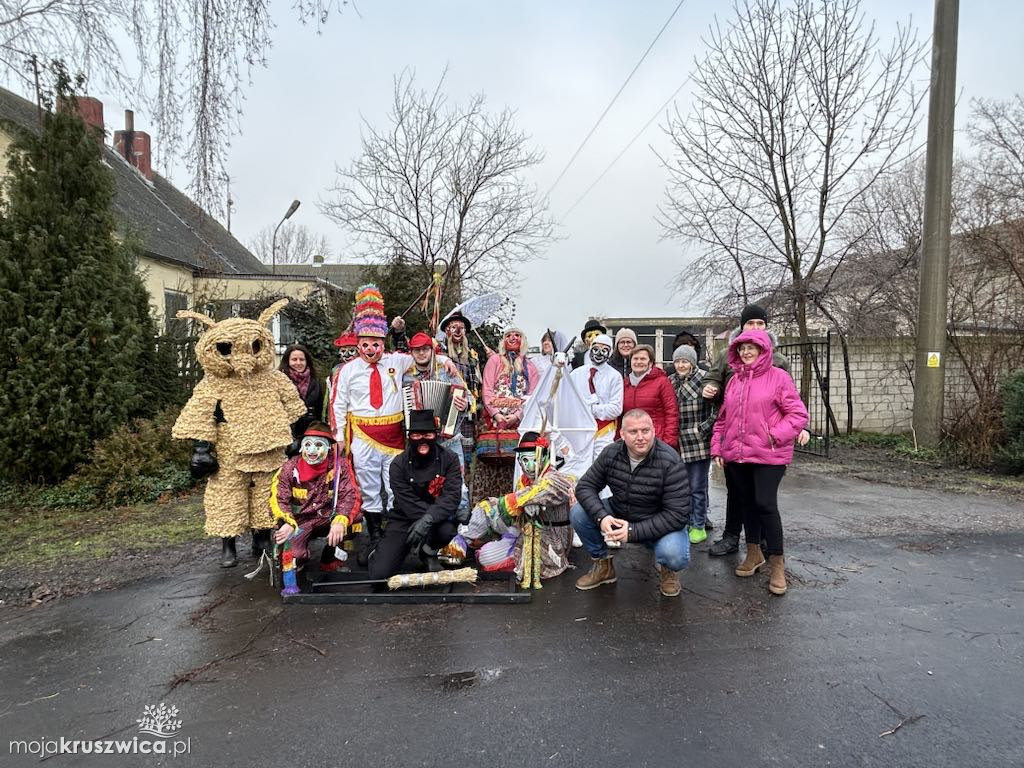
905	607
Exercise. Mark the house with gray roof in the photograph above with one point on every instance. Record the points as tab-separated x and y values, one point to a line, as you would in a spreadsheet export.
189	259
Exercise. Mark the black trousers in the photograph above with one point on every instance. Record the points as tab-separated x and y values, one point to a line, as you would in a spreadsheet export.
387	559
733	512
755	488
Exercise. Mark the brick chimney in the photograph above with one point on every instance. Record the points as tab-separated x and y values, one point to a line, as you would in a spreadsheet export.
134	146
91	112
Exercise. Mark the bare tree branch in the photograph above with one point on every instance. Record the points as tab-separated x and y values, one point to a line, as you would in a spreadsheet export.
296	244
797	112
188	62
445	182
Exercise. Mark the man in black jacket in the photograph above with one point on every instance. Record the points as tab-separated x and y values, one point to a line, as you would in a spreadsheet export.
649	505
427	484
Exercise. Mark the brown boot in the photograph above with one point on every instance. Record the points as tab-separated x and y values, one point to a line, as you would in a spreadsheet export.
601	572
752	562
777	581
669	581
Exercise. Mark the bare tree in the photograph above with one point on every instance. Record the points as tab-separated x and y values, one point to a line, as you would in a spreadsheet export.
797	112
874	292
296	244
997	130
186	61
443	181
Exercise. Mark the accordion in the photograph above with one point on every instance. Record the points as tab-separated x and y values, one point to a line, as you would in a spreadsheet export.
436	396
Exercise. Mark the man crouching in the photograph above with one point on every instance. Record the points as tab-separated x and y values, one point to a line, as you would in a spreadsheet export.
649	505
313	494
427	484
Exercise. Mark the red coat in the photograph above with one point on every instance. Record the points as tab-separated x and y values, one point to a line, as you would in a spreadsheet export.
655	395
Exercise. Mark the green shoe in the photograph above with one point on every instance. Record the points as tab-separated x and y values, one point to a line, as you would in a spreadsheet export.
697	535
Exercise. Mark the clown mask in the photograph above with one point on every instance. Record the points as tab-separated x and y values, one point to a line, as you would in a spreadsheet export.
314	450
513	341
347	353
528	463
371	348
455	330
600	353
590	336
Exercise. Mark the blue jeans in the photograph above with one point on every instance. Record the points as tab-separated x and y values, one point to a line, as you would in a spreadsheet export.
454	444
671	551
698	472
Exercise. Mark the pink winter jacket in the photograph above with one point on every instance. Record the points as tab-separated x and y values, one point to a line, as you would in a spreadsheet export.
762	413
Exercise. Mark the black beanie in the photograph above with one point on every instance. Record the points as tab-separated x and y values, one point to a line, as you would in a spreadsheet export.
753	312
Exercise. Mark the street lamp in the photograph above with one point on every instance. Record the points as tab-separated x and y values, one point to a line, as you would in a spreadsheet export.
273	245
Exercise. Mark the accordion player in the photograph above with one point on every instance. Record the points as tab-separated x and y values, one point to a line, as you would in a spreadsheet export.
437	396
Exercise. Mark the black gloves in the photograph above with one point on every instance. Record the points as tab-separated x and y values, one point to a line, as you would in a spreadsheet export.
419	531
462	515
203	463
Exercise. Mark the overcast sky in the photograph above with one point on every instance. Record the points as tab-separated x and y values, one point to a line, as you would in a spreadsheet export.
556	65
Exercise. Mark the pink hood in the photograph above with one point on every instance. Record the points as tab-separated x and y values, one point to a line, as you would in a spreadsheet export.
762	413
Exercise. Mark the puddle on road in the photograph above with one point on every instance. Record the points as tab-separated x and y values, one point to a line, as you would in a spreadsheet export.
458	681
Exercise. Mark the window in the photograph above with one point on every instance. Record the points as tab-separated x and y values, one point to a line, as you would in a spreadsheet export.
174	326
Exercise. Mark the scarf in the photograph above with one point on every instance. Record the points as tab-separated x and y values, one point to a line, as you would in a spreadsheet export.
300	380
307	472
635	380
513	376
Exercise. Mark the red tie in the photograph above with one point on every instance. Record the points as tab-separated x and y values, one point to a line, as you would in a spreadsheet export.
590	381
376	388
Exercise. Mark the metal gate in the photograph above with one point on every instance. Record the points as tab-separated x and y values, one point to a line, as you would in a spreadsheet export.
810	363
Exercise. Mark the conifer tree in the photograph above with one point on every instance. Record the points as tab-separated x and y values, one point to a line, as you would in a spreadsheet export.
77	342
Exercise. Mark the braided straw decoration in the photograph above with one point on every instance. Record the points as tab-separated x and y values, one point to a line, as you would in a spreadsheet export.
467	575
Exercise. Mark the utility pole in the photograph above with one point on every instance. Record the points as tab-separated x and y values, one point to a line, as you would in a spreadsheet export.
930	359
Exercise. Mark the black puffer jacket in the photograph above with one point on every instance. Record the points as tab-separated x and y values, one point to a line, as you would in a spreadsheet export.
620	364
654	498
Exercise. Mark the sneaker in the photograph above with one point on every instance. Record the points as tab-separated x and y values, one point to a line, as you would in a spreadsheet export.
697	535
577	542
668	581
725	545
601	572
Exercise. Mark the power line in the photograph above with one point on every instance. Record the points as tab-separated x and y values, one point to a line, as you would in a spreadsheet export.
626	148
615	98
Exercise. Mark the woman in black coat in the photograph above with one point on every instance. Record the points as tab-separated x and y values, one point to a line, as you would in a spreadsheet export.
297	364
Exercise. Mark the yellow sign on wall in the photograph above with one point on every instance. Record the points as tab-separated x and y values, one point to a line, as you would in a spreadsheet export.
934	359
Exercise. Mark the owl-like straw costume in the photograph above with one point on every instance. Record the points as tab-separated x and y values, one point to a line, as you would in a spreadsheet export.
244	408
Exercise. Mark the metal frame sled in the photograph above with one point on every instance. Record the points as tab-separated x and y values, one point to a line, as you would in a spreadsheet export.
353	588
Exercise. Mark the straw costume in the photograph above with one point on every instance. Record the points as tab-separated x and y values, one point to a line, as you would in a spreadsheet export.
240	418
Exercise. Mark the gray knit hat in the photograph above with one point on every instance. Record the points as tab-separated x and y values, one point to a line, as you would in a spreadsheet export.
685	352
625	333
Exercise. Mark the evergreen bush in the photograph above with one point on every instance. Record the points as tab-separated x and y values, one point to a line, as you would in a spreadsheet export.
77	342
1011	455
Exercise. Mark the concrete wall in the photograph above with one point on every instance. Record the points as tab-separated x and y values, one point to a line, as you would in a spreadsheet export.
160	276
881	373
5	142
